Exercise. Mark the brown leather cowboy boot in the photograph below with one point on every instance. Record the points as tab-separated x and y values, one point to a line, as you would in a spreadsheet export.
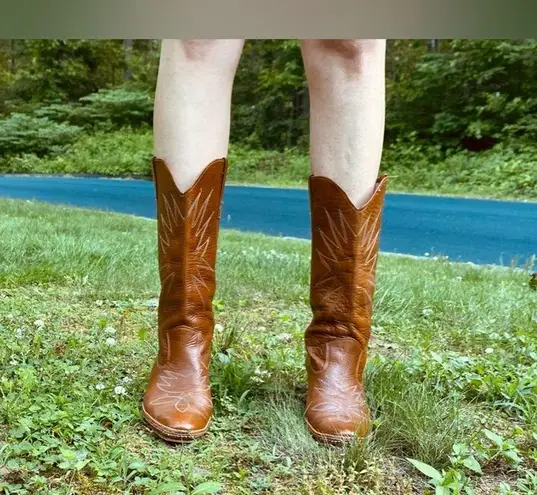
344	257
178	403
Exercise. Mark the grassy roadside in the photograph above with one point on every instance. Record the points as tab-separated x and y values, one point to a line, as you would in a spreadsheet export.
505	173
451	378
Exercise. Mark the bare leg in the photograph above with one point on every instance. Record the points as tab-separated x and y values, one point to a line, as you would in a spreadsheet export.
193	104
347	93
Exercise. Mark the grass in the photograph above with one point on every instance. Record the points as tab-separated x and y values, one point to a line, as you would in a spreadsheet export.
508	172
450	379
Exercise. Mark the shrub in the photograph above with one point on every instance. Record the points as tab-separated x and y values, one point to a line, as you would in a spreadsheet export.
39	135
58	112
106	109
124	152
118	107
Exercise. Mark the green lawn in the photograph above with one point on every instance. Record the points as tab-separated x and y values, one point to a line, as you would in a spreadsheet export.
452	378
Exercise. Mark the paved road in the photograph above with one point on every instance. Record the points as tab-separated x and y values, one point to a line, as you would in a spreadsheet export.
480	231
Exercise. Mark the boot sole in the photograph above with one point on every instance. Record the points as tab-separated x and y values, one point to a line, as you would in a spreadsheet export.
171	434
330	439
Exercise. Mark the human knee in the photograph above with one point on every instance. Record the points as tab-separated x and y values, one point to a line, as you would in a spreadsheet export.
345	54
348	49
220	53
198	50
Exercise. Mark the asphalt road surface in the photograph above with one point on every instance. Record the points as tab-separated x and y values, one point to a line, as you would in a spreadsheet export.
480	231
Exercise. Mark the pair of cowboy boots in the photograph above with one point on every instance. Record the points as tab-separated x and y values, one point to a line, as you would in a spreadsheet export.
178	402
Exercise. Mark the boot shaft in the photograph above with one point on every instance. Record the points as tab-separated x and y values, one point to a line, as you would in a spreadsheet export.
345	242
188	225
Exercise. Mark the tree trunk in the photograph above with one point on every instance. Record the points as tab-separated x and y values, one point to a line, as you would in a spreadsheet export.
11	56
433	45
127	50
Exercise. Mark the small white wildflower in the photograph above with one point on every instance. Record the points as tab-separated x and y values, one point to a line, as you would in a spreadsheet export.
18	333
489	350
259	372
99	386
218	328
119	390
261	329
111	341
284	337
458	279
110	330
126	379
98	302
39	323
427	312
13	362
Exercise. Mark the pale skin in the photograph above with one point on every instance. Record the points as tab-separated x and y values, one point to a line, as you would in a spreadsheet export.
347	108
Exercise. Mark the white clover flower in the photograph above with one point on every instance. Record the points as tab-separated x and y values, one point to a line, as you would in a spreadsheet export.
259	372
111	341
427	312
99	386
39	323
458	279
110	330
284	337
126	379
18	333
119	390
489	350
218	328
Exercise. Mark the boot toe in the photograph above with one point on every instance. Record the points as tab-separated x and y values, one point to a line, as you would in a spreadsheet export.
172	424
333	428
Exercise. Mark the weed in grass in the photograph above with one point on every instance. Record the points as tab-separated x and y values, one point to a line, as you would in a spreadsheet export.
412	419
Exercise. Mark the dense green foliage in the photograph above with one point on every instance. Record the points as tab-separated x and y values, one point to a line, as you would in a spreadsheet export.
460	118
469	93
472	93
